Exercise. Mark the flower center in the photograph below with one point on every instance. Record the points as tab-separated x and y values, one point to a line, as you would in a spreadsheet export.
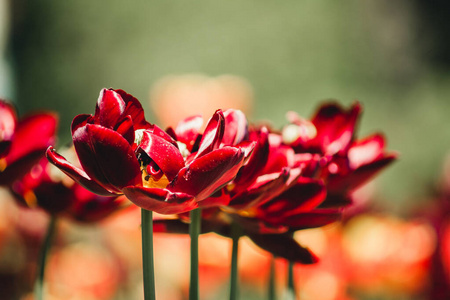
152	175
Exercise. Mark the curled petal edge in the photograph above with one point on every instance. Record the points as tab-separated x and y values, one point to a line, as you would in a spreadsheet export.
76	173
161	201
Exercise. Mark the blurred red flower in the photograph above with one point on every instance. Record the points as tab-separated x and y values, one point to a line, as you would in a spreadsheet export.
48	188
346	162
23	142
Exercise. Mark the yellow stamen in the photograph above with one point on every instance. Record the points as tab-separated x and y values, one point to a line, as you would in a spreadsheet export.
149	182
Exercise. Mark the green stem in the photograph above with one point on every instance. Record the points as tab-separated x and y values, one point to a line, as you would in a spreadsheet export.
39	284
194	232
235	235
271	289
291	284
147	254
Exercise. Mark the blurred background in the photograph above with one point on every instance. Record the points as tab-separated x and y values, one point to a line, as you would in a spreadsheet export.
393	57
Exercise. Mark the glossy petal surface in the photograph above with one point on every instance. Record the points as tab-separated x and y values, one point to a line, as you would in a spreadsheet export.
160	200
109	109
256	162
76	173
235	127
188	130
213	134
264	189
164	154
208	173
304	196
133	108
107	157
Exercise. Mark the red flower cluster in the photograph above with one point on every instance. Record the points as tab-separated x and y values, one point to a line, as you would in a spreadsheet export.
270	183
121	153
298	178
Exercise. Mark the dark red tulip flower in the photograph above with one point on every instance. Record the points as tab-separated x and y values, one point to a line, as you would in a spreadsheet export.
330	131
346	163
23	143
121	153
46	187
295	180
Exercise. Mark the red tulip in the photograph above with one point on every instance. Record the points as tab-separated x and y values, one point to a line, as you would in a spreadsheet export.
329	132
297	180
46	187
346	162
23	143
120	153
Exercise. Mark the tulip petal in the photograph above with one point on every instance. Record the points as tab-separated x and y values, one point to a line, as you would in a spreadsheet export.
283	245
313	219
76	173
256	162
160	200
335	127
304	196
236	127
220	198
134	109
154	129
164	154
336	201
187	130
258	226
92	208
33	134
109	109
80	121
20	166
265	188
279	158
125	129
365	151
107	157
208	173
213	134
344	183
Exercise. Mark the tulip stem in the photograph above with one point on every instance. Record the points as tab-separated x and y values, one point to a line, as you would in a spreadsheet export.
194	232
147	254
235	235
291	284
39	284
271	289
